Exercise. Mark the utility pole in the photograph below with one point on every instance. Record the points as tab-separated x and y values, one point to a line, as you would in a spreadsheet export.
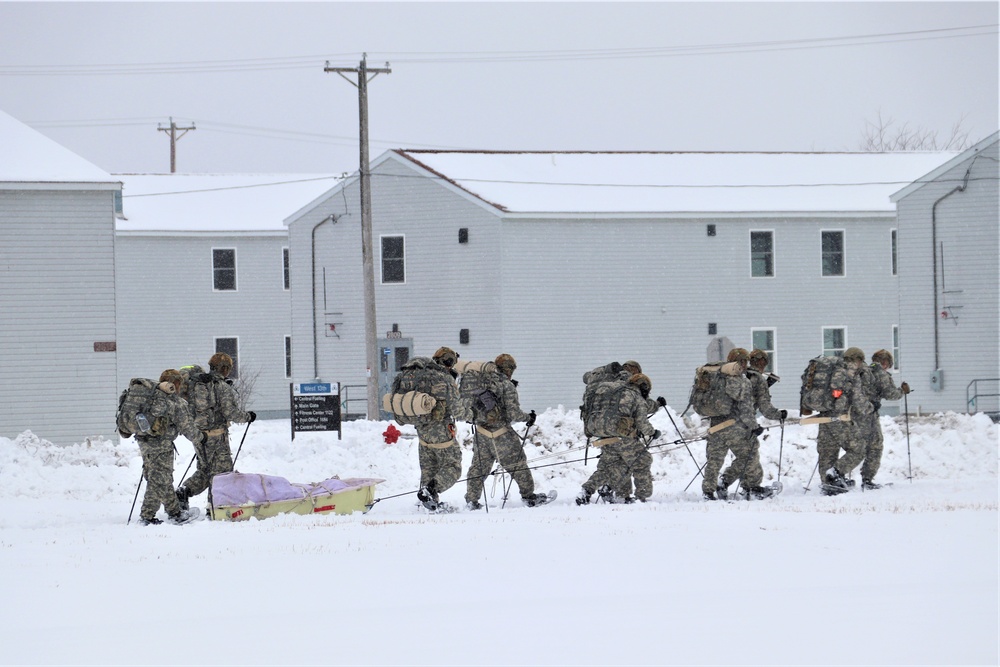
371	351
174	138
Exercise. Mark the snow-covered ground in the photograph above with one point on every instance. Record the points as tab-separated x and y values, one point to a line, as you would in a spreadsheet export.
904	575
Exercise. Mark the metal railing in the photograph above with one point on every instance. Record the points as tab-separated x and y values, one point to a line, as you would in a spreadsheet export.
973	392
347	399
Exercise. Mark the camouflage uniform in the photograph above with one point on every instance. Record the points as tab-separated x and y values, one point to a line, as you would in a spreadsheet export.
172	418
878	386
213	406
624	457
761	397
439	455
736	437
840	435
496	440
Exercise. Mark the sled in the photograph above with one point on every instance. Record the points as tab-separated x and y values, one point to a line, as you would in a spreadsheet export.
239	496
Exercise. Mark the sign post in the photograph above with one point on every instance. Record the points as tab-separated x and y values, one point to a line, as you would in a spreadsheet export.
315	407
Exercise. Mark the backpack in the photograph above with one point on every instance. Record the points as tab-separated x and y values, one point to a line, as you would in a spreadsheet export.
138	412
592	379
708	391
604	415
192	375
410	401
821	377
481	388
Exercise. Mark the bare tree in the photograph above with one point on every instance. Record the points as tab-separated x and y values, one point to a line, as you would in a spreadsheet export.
245	385
885	135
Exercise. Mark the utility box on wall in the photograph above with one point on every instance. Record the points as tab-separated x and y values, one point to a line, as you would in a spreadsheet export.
937	380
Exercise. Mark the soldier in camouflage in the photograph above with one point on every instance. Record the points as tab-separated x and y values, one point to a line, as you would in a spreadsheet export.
157	450
624	455
214	407
840	435
879	387
496	441
439	454
760	383
733	432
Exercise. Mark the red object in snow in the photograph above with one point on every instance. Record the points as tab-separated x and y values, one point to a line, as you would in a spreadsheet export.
391	434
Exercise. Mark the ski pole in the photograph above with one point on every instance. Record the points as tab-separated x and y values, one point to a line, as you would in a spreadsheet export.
184	476
137	486
781	445
811	477
241	444
696	475
906	416
681	435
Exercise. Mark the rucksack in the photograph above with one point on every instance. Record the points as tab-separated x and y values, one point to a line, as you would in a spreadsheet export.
604	416
481	388
821	377
138	410
592	379
708	391
192	375
411	401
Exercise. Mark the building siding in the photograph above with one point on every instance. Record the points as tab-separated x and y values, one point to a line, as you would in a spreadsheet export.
967	226
57	298
170	314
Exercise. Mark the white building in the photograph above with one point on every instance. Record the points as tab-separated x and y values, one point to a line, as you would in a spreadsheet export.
571	260
57	290
202	267
948	283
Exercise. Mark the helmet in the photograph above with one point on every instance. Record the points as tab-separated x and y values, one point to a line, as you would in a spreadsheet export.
854	354
738	354
882	357
172	376
446	356
506	364
221	363
632	366
758	357
643	382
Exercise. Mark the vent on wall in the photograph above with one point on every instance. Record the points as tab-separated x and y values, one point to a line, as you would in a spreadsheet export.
463	235
463	336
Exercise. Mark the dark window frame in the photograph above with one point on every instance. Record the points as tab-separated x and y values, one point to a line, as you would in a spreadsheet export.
223	275
762	255
833	260
393	266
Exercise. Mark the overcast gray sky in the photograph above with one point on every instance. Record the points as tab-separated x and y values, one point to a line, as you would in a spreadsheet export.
100	78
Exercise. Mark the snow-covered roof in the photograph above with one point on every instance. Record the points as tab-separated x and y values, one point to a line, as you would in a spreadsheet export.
668	183
28	156
184	203
944	168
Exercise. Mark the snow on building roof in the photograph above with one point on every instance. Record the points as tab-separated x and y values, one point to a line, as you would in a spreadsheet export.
28	156
553	182
184	203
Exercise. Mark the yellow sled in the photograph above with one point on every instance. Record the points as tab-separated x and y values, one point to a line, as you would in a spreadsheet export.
238	497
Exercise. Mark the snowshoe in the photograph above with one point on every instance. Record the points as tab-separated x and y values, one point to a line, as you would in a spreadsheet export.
832	490
761	492
427	498
150	522
833	477
536	499
473	505
184	516
869	485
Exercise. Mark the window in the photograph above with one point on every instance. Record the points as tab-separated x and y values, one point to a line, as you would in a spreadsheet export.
895	347
284	269
833	253
230	346
224	269
288	356
834	341
763	339
761	254
892	236
393	260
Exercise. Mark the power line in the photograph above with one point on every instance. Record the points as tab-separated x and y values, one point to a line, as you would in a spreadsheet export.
235	187
416	57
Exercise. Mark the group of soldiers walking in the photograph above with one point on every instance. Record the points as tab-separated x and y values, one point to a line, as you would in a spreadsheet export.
616	411
200	406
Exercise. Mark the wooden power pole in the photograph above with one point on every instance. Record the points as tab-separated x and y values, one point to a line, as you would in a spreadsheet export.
371	350
174	138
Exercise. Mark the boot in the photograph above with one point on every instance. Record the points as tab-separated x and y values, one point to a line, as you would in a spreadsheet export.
150	522
722	491
426	497
183	496
182	517
869	485
708	495
536	499
583	498
834	478
761	492
473	505
606	494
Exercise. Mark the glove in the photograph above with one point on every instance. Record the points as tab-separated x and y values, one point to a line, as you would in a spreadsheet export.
656	434
531	418
757	431
784	415
662	401
905	388
251	416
